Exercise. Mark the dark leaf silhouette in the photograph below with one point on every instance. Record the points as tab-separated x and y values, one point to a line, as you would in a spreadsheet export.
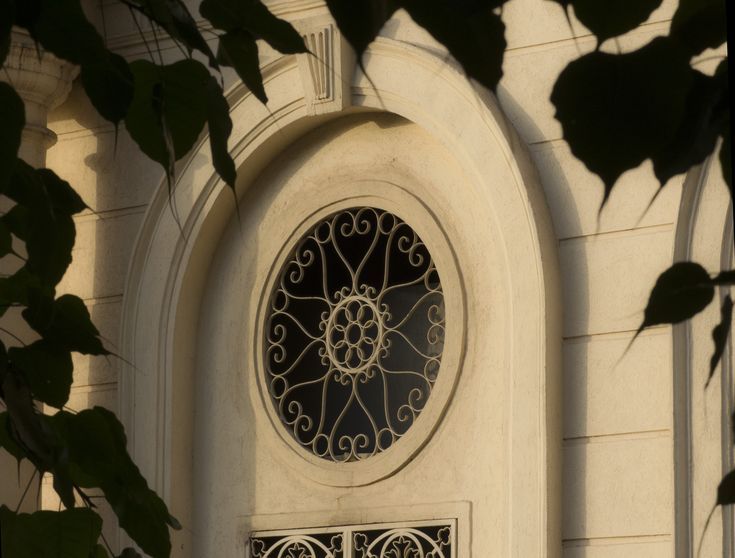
174	17
49	246
22	288
99	458
32	433
224	14
16	221
169	107
26	13
276	32
610	18
719	336
6	240
50	202
68	325
256	20
48	369
700	24
726	490
680	292
63	199
705	113
71	533
7	16
724	278
472	32
7	442
618	110
220	127
12	116
238	49
726	159
63	29
108	83
41	190
360	21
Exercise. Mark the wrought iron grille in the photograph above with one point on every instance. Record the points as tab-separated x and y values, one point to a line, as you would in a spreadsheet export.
406	542
354	334
413	540
317	545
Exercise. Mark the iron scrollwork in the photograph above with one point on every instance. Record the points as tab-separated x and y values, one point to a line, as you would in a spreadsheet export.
298	546
411	540
354	334
405	542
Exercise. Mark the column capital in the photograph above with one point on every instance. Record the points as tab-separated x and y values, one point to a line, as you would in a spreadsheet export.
43	82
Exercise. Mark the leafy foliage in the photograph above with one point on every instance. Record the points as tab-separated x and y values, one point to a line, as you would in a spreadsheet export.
47	534
682	291
472	32
238	49
616	111
611	18
7	15
169	109
47	368
165	109
360	21
700	24
98	459
12	115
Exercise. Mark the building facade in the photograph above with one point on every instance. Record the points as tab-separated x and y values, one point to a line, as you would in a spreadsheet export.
408	332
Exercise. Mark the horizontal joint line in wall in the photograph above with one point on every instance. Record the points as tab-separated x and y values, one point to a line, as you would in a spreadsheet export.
110	214
617	437
633	231
622	539
623	333
586	39
84	132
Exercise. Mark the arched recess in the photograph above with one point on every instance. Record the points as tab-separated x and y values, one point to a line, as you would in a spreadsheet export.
703	451
170	268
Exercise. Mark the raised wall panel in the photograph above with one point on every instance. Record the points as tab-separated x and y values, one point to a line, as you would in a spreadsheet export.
607	279
93	370
574	195
620	549
608	391
618	487
101	255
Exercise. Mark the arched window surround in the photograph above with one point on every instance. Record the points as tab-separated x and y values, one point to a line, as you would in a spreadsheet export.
168	270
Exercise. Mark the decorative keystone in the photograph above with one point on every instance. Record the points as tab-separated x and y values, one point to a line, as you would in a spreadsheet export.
327	72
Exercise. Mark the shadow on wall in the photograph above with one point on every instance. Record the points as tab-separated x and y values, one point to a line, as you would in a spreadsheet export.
605	390
574	371
116	181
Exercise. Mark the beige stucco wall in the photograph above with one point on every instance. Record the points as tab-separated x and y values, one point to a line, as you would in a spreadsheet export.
618	457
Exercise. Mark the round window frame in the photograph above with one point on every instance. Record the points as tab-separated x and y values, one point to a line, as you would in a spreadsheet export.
401	202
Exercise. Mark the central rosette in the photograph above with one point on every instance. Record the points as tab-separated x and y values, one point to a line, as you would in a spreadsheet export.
354	331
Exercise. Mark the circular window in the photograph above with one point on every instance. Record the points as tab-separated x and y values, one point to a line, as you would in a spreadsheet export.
354	334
